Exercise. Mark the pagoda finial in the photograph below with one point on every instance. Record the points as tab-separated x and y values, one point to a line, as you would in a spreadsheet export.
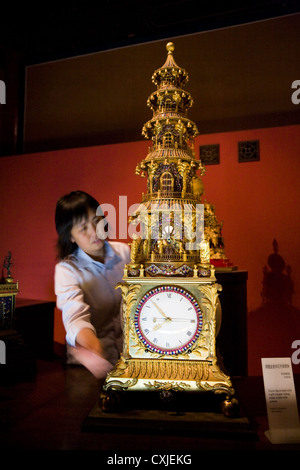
170	62
170	47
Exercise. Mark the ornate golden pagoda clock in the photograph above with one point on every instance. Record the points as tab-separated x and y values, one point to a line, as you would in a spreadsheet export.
171	308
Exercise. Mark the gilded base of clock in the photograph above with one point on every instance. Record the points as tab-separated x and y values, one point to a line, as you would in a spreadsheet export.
167	377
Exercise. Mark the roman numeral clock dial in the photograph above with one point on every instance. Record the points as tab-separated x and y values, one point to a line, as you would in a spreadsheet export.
168	320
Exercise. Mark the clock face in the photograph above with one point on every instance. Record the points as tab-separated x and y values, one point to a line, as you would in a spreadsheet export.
168	320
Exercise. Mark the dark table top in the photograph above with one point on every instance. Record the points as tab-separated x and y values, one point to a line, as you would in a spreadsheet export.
48	411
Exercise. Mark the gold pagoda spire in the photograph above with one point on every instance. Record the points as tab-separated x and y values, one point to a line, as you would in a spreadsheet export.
168	215
170	130
171	310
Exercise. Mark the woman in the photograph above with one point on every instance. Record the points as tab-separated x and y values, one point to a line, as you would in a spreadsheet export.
89	267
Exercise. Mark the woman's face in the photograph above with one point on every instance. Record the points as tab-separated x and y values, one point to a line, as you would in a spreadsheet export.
84	233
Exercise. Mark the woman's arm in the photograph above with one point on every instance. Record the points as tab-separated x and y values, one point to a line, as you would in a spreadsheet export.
70	300
81	335
87	339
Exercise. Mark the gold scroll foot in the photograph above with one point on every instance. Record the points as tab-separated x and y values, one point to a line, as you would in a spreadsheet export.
230	407
109	401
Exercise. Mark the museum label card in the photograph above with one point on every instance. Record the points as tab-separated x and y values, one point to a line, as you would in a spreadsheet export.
282	409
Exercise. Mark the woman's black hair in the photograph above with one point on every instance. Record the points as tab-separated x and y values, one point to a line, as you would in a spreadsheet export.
70	209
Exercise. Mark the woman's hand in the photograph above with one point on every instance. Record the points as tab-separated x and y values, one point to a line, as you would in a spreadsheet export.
89	353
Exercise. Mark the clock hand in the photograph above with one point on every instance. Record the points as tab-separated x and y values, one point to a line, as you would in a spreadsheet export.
160	310
182	319
159	325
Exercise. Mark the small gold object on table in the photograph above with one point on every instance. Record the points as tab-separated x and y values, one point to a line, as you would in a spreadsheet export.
8	292
19	362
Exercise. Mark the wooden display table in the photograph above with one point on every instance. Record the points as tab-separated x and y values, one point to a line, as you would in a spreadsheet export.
232	338
34	320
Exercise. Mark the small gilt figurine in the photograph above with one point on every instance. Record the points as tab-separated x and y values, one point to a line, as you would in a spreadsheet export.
6	266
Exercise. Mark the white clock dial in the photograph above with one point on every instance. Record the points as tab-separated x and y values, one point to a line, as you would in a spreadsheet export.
168	320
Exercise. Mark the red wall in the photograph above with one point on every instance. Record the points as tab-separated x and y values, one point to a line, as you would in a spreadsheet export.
257	202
